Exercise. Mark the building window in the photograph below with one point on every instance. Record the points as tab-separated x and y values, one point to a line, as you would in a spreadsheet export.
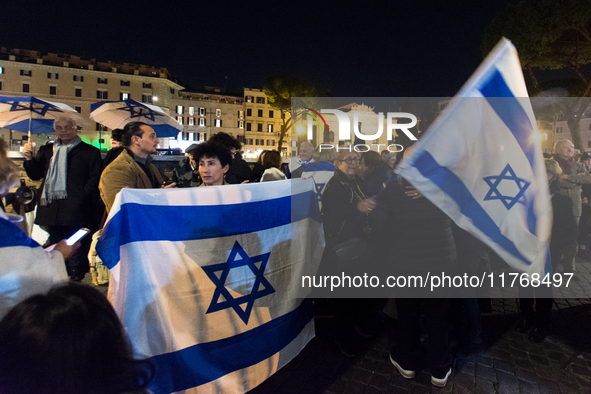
125	83
78	78
218	123
218	112
78	92
191	121
146	85
53	75
172	90
241	139
180	110
248	98
249	140
191	111
1	70
240	124
179	119
271	113
270	128
260	113
146	98
240	114
102	94
249	127
78	109
0	85
201	121
25	88
53	90
259	127
588	144
270	142
559	130
202	111
26	73
260	100
101	81
100	127
248	111
123	96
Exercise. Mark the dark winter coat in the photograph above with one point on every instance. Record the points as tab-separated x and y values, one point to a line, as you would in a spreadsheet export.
341	219
83	174
415	236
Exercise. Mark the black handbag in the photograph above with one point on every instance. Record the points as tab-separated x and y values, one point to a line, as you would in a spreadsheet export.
352	251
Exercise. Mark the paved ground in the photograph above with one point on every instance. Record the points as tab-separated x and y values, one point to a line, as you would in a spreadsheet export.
510	364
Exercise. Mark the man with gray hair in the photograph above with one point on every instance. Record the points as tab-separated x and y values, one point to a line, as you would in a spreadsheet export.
296	165
70	169
574	175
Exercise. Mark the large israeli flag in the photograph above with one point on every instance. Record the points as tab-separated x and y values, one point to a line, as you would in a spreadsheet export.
482	164
200	278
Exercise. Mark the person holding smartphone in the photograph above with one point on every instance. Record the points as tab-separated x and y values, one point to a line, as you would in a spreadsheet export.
26	268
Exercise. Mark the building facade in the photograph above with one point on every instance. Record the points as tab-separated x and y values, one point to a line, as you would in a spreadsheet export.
79	82
262	125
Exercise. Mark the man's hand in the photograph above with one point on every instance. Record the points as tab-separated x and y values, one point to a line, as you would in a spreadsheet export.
28	151
172	185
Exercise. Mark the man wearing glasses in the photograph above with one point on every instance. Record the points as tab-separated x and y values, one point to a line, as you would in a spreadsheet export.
70	169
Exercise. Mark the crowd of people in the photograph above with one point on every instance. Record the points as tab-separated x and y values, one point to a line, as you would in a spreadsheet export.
369	215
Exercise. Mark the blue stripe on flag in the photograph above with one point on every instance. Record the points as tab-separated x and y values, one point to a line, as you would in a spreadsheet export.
12	235
508	108
200	222
205	362
469	207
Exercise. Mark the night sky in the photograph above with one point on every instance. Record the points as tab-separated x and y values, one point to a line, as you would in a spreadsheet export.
380	49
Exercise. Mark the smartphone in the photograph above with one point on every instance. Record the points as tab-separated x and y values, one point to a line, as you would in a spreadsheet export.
77	236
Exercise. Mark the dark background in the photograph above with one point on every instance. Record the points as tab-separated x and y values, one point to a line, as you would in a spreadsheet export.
382	48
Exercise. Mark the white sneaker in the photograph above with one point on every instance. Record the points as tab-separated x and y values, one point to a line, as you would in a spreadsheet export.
440	382
406	373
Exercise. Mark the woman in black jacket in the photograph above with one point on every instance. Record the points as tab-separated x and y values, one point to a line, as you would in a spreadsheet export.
345	210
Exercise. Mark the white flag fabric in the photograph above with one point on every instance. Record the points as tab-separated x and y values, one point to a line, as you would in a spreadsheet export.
200	278
481	164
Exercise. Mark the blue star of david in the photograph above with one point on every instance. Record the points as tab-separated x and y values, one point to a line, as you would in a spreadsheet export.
319	187
40	109
136	111
228	300
509	175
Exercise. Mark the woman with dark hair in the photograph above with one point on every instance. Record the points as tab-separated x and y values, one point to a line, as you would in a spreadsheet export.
258	169
272	164
376	172
68	341
214	162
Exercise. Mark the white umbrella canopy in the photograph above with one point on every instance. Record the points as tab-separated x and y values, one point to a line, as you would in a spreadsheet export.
116	114
33	115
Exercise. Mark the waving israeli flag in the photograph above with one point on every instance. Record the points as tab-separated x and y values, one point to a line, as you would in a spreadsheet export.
481	163
200	278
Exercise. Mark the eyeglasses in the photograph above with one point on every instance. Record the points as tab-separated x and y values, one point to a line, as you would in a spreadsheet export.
60	128
351	160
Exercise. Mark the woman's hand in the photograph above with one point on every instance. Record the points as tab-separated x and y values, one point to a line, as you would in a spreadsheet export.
367	205
412	192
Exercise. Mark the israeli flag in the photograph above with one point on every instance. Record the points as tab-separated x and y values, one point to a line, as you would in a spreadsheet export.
482	164
200	278
321	173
